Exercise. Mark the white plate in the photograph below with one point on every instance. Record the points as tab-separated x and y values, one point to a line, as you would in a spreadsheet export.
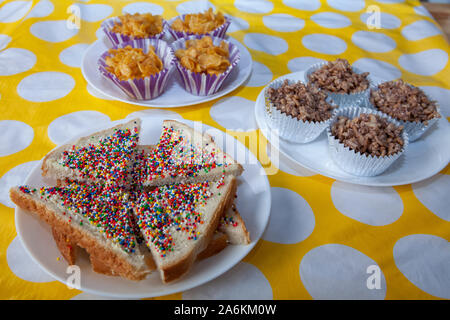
174	95
423	159
253	202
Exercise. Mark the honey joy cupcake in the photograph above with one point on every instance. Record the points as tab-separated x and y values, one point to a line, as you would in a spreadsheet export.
204	63
134	26
140	68
407	104
346	85
203	23
299	112
365	142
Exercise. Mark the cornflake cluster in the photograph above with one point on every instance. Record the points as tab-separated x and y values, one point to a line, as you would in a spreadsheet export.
338	77
404	102
139	25
199	23
369	134
202	56
132	63
303	102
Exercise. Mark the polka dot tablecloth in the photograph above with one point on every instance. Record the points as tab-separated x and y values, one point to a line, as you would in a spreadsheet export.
325	239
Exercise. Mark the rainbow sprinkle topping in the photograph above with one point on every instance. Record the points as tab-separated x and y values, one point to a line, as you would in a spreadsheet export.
107	208
108	160
169	209
176	156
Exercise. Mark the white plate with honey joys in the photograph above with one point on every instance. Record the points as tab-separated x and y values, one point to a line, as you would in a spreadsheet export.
422	159
174	94
253	203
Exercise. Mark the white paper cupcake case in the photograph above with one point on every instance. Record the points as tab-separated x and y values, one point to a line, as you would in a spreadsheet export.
343	100
290	128
202	84
414	129
356	163
117	38
143	88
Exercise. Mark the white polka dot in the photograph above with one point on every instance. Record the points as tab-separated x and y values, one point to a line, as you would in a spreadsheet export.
285	164
235	113
261	75
424	259
324	43
42	9
420	30
425	63
421	10
331	20
441	95
15	136
302	63
143	7
15	60
373	41
93	12
14	11
283	22
291	219
347	5
375	206
73	55
254	6
378	69
92	91
335	271
387	20
53	31
22	265
308	5
4	41
194	6
15	176
434	193
268	44
244	281
70	125
45	86
237	24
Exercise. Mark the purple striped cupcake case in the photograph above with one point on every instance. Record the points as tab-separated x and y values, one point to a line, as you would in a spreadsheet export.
203	84
143	88
117	38
219	32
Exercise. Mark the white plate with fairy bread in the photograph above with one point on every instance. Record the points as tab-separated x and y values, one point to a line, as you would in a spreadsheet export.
144	207
340	122
146	60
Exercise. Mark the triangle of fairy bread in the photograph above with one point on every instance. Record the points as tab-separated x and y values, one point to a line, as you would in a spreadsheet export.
105	208
184	155
104	156
178	221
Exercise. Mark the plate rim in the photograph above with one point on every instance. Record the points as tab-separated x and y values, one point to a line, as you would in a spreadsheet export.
20	214
265	129
205	98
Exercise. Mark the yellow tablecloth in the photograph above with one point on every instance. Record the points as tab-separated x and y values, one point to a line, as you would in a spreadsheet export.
325	239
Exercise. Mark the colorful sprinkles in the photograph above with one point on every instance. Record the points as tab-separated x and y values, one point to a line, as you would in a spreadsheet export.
106	161
176	156
171	208
105	207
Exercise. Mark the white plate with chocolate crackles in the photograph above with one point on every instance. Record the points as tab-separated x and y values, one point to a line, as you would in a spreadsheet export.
422	158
